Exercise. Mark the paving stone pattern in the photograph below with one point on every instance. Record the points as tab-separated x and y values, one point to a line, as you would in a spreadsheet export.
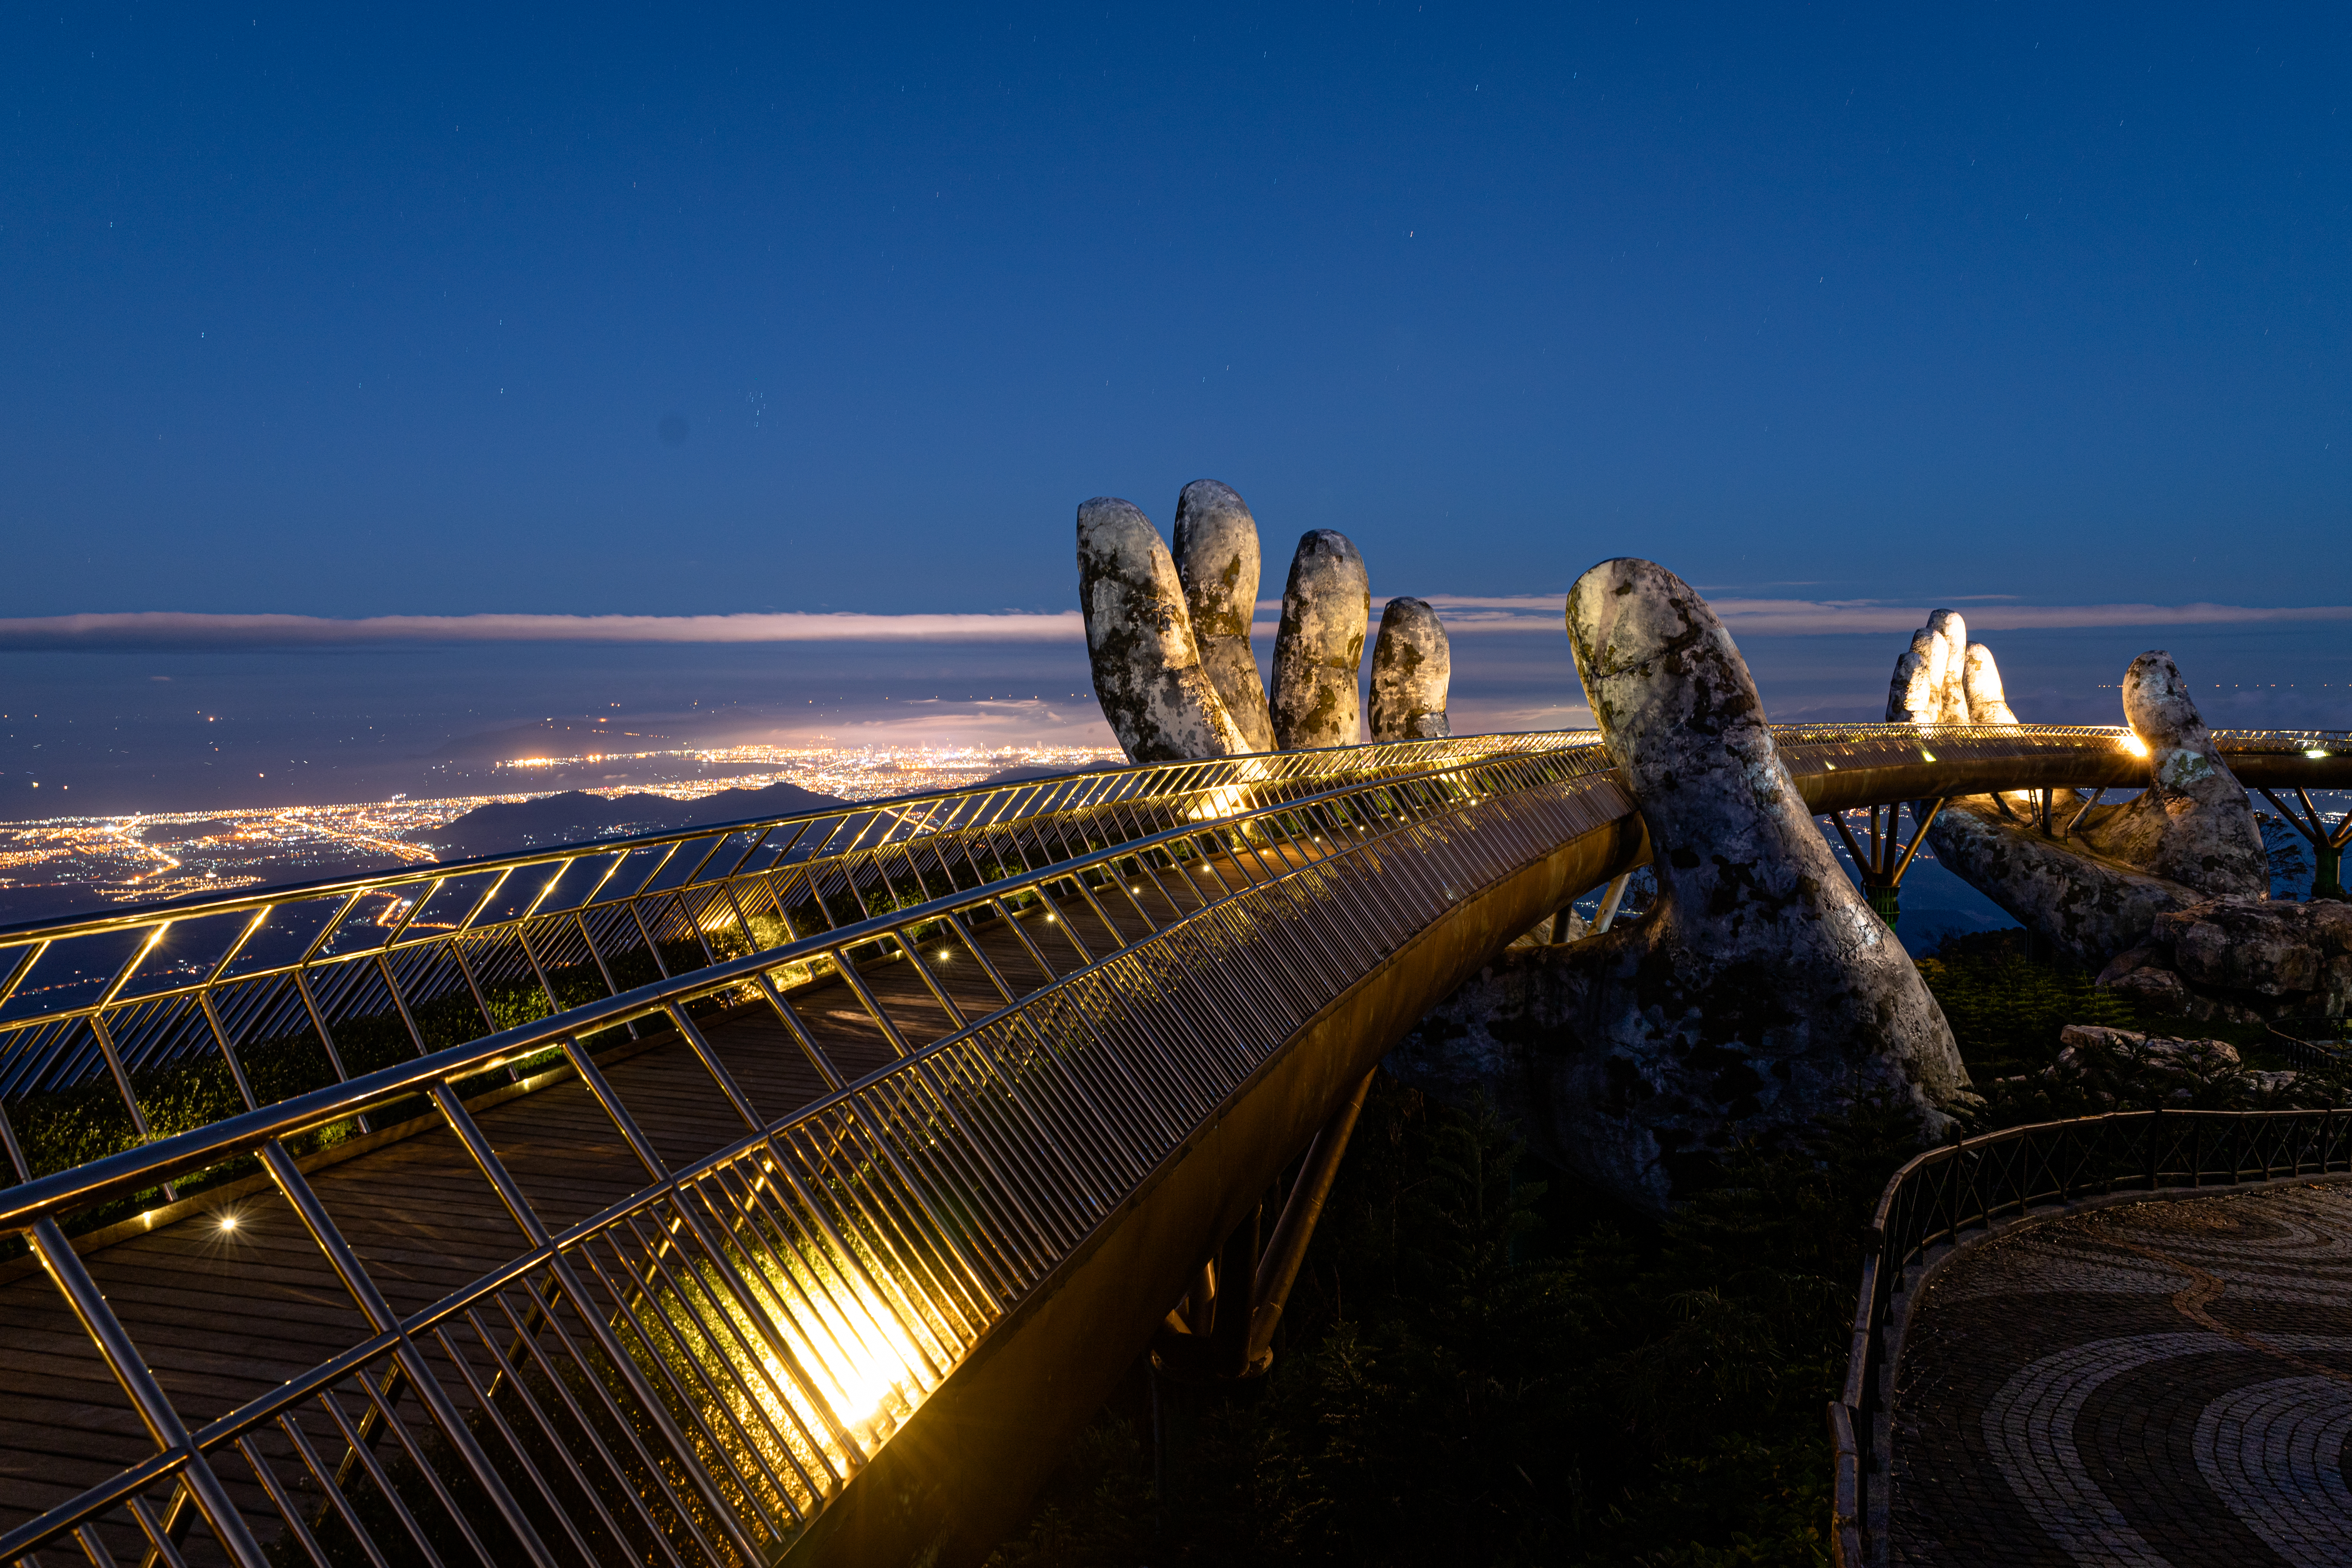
2163	1382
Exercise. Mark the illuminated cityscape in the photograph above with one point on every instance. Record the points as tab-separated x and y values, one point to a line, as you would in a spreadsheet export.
82	864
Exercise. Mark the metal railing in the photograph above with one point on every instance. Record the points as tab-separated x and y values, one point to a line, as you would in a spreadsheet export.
1948	1194
691	1375
286	990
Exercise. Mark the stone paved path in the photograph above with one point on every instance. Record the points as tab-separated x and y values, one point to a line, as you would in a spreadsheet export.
2166	1382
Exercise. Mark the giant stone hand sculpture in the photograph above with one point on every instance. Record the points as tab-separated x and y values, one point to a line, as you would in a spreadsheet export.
1169	638
1760	992
1159	702
2095	888
2194	824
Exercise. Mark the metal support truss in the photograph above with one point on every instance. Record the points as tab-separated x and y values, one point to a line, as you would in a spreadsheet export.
1883	862
1227	1334
2327	842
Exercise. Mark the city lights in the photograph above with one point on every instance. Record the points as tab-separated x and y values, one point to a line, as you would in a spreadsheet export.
141	858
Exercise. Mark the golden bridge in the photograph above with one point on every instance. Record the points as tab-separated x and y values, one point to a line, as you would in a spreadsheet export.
783	1190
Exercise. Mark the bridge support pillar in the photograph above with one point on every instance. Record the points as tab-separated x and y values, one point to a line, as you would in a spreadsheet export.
2326	843
1227	1329
1882	860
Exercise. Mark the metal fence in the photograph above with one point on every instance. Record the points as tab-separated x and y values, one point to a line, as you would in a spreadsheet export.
690	1375
287	991
1948	1194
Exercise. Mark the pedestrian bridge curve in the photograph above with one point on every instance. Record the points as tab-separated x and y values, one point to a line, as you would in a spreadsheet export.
783	1189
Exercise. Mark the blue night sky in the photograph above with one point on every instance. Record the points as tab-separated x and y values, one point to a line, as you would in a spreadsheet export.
321	313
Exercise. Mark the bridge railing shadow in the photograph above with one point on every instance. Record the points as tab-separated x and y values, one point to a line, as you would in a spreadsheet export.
1952	1196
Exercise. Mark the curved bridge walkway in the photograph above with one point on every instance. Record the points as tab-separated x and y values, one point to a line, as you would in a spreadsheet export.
784	1187
2159	1382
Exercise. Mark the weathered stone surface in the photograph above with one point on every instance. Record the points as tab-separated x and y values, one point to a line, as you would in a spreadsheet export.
1980	685
2088	906
1911	696
1951	696
1217	558
2096	892
1413	666
2195	825
1319	654
2242	960
1148	676
1930	684
2102	1069
2123	1065
1759	991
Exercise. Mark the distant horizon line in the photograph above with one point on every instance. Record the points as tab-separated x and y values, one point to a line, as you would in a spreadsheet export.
1462	614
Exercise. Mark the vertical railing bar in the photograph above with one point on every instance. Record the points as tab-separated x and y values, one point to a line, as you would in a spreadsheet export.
469	1133
512	1375
360	1448
707	1379
546	986
328	1239
708	1057
283	1501
488	1407
155	1410
528	1343
795	1025
326	1036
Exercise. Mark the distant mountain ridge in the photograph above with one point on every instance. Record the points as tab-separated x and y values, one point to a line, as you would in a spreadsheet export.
576	817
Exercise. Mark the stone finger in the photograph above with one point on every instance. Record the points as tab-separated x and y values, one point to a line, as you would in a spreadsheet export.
1217	559
1412	668
1318	655
1156	697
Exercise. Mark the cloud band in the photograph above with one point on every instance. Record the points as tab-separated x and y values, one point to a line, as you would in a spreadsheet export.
168	628
1464	616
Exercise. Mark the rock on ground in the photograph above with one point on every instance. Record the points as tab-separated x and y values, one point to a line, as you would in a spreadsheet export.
2102	1069
1217	559
1159	701
2241	959
1762	991
1319	654
1413	666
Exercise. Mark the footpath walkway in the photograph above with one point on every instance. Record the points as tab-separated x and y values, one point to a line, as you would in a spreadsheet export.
2157	1384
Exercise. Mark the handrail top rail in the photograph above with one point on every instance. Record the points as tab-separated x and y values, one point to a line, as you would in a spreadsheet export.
26	1202
1946	1151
